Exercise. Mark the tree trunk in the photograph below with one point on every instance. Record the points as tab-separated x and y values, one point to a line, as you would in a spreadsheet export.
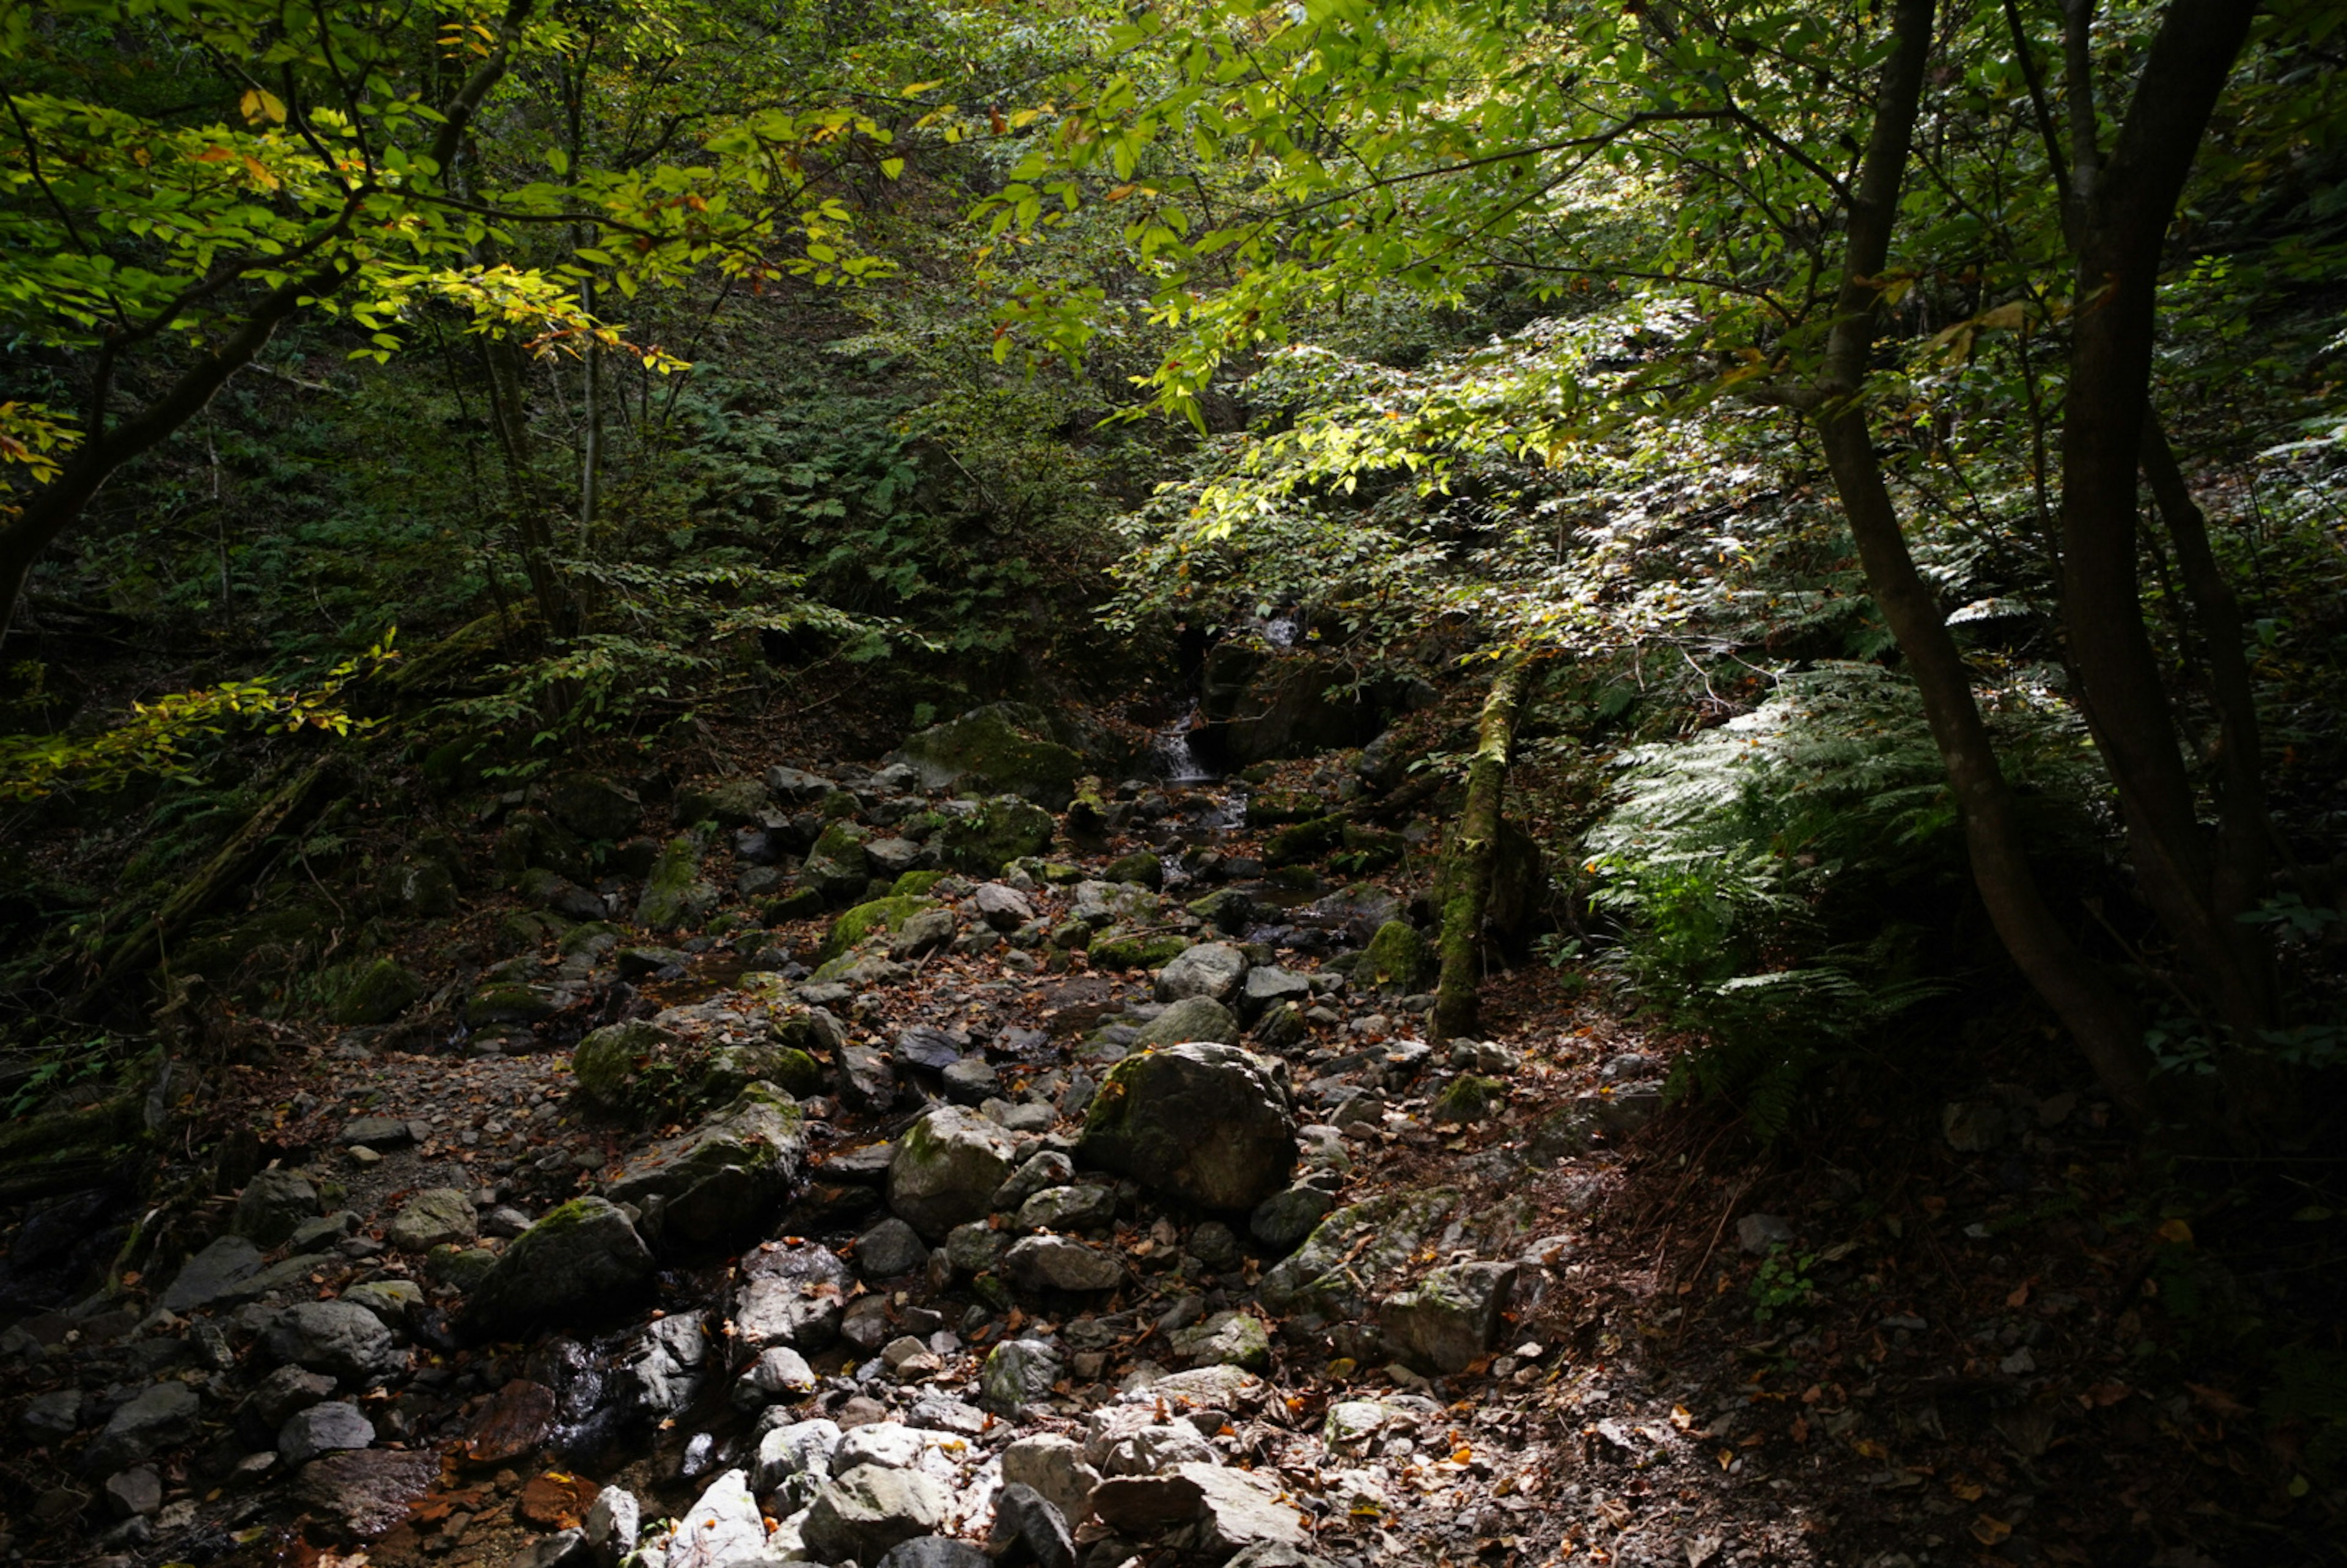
1466	879
234	866
2098	1016
2123	230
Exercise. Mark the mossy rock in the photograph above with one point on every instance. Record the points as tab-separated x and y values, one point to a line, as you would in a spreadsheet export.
915	883
1003	829
1469	1098
675	897
1370	849
380	992
1001	750
805	904
1395	960
866	919
1278	807
596	936
508	1004
1226	908
460	1267
842	841
734	1068
728	802
1260	773
70	1151
532	928
1304	841
1140	866
1303	879
611	1063
1114	949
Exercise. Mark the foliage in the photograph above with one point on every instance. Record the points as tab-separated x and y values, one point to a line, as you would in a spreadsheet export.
163	736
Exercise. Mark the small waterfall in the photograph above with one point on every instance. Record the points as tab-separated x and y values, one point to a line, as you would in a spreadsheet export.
1171	757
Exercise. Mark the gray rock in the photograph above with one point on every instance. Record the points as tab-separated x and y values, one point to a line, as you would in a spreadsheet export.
725	1177
889	1249
1268	986
383	1134
975	1247
795	786
1077	1208
160	1415
437	1217
943	1413
286	1392
1017	1373
931	1049
1451	1317
1756	1233
274	1205
134	1493
791	1296
1239	1509
1283	1220
342	1340
795	1458
1133	1439
1050	1168
778	1373
1191	1019
1004	908
1225	1339
368	1490
323	1429
396	1301
577	1258
1054	1466
867	1080
971	1080
923	934
1209	1124
934	1551
1060	1262
1029	1528
214	1274
722	1526
1215	969
53	1415
612	1526
560	1550
948	1166
666	1369
868	1510
321	1234
892	857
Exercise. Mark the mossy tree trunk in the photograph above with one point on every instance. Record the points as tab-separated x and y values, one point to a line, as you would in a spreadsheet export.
1466	879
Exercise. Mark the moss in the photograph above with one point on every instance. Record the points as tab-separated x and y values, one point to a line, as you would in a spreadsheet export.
1228	909
1004	829
611	1060
865	919
1303	879
674	896
914	884
382	991
838	804
1259	774
1113	950
1304	841
994	749
508	1004
1278	807
805	904
728	803
1469	1098
582	937
1373	849
1395	959
843	842
1140	866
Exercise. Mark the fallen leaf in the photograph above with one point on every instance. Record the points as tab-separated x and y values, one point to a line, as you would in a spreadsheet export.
2176	1232
1989	1530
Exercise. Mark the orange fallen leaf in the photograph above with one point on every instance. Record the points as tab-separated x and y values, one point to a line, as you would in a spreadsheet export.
1988	1529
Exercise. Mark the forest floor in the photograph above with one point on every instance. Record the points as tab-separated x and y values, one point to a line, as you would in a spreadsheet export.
1926	1334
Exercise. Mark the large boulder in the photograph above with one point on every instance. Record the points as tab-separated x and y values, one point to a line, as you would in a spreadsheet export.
791	1294
869	1509
948	1166
1211	1124
1214	970
1451	1315
1191	1019
725	1176
273	1205
675	896
609	1064
379	993
1004	749
437	1217
592	807
577	1261
1001	830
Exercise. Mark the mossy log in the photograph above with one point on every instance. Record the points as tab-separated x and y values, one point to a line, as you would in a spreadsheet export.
239	860
1466	877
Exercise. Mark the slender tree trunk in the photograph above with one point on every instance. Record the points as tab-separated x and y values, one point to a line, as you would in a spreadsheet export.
1474	856
2123	230
2098	1016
